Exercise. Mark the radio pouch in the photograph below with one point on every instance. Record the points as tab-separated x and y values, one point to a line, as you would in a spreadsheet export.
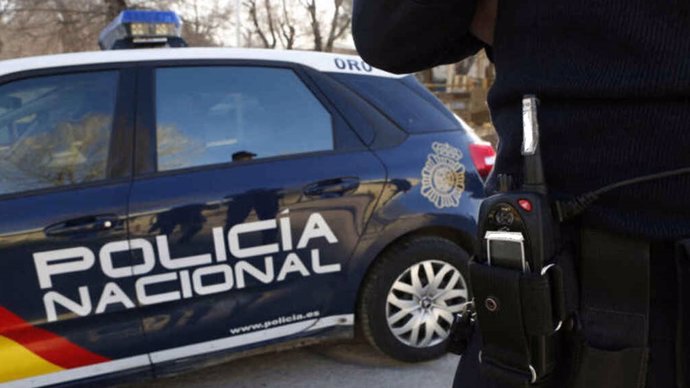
513	309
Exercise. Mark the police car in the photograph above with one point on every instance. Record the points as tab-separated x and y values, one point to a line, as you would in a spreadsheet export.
168	207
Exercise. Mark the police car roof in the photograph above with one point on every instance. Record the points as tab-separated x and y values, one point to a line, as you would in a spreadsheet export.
326	62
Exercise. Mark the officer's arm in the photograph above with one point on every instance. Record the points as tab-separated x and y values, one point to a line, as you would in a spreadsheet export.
403	36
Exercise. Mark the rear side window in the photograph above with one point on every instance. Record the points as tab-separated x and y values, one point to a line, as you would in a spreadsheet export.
55	130
212	115
404	102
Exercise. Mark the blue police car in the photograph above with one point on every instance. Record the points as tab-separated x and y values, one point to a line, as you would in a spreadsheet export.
163	208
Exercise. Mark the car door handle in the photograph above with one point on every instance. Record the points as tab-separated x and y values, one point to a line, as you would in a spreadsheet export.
87	224
332	187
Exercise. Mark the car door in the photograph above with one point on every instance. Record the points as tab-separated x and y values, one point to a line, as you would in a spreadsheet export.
67	305
253	192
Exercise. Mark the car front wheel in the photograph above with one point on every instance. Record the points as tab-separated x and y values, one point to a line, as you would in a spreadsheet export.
410	296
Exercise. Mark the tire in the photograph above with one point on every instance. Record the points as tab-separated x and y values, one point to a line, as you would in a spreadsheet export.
425	304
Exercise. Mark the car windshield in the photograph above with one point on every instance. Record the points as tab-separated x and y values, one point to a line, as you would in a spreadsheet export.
403	100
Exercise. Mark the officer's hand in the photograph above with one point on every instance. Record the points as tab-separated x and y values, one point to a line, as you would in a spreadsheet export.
484	21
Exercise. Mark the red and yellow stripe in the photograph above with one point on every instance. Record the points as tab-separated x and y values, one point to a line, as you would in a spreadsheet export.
26	350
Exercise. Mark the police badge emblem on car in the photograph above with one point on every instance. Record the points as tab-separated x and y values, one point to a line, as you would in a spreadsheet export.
443	176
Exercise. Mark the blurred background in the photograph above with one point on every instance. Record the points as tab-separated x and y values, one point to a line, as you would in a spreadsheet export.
36	27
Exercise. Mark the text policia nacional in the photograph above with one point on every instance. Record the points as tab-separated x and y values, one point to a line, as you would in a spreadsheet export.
212	273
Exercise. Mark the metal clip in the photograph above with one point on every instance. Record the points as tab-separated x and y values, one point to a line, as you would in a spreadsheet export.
544	272
462	329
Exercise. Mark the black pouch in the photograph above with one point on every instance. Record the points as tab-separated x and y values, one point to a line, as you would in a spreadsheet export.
612	345
527	305
683	340
520	315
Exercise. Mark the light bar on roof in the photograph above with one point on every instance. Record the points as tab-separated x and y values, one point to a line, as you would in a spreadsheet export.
141	28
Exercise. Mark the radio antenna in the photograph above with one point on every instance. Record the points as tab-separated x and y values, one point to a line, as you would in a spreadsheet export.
534	171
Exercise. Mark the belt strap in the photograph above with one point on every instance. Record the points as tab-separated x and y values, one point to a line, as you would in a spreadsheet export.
615	290
683	333
615	293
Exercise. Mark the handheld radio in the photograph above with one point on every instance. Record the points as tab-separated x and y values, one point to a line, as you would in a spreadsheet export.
517	229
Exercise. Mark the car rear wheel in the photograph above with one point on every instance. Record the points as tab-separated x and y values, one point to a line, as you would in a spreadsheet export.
410	296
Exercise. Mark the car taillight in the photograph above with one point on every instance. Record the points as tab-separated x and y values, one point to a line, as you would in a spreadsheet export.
484	157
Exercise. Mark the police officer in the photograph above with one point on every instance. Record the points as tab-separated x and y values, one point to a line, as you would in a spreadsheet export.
613	79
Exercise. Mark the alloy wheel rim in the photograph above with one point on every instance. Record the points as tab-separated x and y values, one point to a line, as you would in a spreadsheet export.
422	302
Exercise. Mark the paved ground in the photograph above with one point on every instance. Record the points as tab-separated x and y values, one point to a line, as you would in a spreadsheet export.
346	365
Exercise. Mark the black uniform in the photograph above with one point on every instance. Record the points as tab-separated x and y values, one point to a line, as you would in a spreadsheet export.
613	78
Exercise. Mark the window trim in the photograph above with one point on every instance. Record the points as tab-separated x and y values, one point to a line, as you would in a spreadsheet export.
118	164
146	157
385	133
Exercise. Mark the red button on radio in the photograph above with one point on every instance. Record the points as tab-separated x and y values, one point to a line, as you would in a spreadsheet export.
525	204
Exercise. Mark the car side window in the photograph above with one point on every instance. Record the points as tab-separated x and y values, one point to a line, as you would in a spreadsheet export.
220	114
55	130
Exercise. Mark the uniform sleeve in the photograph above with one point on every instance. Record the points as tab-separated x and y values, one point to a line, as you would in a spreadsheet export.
403	36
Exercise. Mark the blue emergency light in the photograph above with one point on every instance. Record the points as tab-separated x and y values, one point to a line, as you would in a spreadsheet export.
140	28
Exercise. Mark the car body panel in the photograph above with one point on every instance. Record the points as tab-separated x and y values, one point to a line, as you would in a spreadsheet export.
223	198
403	210
30	301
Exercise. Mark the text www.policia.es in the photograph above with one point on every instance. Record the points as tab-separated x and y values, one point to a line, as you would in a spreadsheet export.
284	320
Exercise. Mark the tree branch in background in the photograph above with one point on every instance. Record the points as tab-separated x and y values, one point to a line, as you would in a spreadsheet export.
113	8
272	22
287	28
271	26
252	9
338	25
203	21
340	22
310	6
